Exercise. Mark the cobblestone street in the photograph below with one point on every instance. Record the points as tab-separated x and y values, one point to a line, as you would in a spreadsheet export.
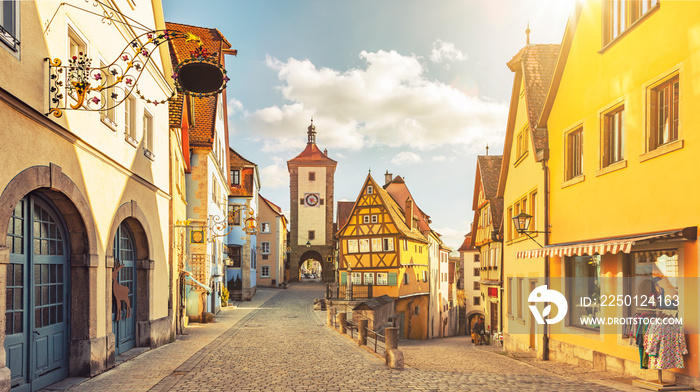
278	343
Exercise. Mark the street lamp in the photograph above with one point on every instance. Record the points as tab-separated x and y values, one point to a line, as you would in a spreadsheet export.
522	223
308	244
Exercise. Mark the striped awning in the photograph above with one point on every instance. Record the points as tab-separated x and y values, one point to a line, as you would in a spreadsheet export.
610	245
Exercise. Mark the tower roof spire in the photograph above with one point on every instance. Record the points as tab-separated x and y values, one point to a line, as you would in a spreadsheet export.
527	33
312	132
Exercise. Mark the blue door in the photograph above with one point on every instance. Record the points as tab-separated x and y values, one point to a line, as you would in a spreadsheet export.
37	330
124	290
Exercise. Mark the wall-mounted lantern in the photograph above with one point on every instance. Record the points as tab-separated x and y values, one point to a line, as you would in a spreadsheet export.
522	223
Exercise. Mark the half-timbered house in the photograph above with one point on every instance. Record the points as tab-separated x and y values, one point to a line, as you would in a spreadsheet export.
381	248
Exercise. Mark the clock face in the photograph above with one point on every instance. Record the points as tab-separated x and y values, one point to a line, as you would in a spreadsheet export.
312	199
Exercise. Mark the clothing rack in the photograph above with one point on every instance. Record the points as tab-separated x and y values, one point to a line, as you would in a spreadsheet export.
659	384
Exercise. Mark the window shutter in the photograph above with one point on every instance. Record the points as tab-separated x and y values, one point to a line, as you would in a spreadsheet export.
391	281
343	277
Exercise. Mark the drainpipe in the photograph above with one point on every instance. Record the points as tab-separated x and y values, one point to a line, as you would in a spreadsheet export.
545	169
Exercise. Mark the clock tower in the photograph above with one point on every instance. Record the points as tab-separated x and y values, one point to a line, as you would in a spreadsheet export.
311	208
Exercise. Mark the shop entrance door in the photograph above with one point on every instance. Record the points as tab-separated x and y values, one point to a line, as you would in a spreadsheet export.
37	324
124	285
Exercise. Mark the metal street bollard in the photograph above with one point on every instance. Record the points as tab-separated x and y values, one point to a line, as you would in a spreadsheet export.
362	338
391	338
342	323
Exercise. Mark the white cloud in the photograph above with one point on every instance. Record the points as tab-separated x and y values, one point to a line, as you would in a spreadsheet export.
451	237
439	158
389	101
274	176
446	51
406	157
235	106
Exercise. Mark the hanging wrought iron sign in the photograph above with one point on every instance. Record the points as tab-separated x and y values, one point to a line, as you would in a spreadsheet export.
79	86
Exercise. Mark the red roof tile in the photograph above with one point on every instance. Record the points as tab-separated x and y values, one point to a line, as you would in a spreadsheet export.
398	190
466	245
312	154
344	212
276	209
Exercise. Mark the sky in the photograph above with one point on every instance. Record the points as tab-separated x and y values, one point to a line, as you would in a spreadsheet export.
417	88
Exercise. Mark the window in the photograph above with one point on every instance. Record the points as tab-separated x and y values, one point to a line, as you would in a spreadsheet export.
381	279
663	111
533	211
476	286
613	136
511	296
312	176
76	47
107	100
369	278
511	226
236	179
619	15
301	201
376	244
365	218
130	119
312	235
265	227
234	215
234	253
265	247
264	271
518	294
352	246
476	258
370	190
476	301
9	23
653	274
521	144
374	219
476	272
425	276
574	154
148	135
405	278
357	278
585	273
388	244
364	245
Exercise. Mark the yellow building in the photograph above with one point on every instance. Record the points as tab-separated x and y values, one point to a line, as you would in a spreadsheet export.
487	237
620	114
522	187
381	246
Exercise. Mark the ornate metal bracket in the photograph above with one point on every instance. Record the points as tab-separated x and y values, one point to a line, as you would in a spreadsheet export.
104	88
218	224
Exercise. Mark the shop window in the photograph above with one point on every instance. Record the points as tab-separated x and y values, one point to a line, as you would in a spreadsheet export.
653	283
613	136
584	281
574	154
663	113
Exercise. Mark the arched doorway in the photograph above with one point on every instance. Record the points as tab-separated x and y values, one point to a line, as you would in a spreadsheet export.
38	280
124	290
312	259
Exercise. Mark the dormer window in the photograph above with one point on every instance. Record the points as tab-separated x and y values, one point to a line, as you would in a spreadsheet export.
235	177
370	189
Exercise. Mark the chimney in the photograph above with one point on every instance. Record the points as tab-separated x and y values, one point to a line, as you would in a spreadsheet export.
325	151
387	178
408	210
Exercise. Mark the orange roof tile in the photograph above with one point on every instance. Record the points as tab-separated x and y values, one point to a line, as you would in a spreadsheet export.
398	190
312	154
466	245
202	132
344	212
276	209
